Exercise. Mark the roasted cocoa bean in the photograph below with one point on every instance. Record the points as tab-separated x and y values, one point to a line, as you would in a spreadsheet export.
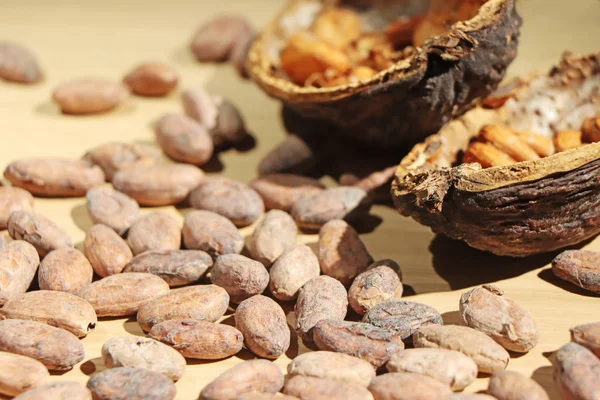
155	231
292	270
405	317
19	374
112	208
89	96
408	386
152	79
272	237
13	199
57	391
580	267
311	388
511	385
230	125
381	282
131	384
183	139
333	366
240	276
39	231
265	396
588	336
113	157
65	270
292	156
18	64
212	233
576	372
107	251
471	396
18	263
282	191
215	40
176	267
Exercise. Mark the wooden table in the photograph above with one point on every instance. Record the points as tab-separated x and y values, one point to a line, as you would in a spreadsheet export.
106	38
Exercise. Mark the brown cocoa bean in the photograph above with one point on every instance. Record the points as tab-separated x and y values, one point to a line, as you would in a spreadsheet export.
342	254
489	356
580	267
239	55
487	309
449	367
19	374
113	157
59	309
57	391
107	251
312	212
139	352
65	270
201	303
365	341
588	336
320	298
231	199
37	230
199	339
311	388
89	96
381	282
272	237
511	385
183	139
123	294
56	348
199	105
240	276
160	185
265	396
155	231
18	64
263	323
292	156
333	366
471	396
18	263
131	384
282	191
404	317
176	267
576	372
408	386
112	208
292	270
215	40
152	79
212	233
54	177
13	199
248	376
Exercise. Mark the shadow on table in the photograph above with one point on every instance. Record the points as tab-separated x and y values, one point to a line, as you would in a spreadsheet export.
549	277
92	366
81	218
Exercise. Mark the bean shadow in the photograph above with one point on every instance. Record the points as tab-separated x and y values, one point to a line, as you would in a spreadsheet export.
452	318
544	376
92	366
548	276
80	216
132	327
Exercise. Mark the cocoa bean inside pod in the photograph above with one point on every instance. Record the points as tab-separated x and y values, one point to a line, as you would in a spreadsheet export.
524	208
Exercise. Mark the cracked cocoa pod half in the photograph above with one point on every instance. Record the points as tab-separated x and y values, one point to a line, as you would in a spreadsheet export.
521	208
420	64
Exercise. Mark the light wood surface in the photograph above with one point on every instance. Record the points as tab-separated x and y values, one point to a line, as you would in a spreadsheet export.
76	38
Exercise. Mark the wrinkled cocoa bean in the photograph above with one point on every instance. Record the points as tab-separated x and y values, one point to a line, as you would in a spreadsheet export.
273	236
580	267
320	298
112	208
405	317
89	96
18	263
263	323
292	156
311	388
588	336
155	231
199	339
215	40
511	385
37	230
201	303
176	267
240	276
282	191
408	386
471	396
576	371
54	177
107	251
13	199
487	309
248	376
123	294
333	366
265	396
381	282
18	64
292	270
19	374
183	139
139	352
65	270
116	156
239	55
212	233
57	391
131	384
365	341
152	79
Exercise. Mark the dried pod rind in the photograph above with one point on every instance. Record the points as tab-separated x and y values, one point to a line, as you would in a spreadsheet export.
511	385
292	270
132	384
404	317
19	374
66	270
282	191
155	231
381	282
89	96
212	233
580	267
274	235
39	231
575	372
333	366
19	262
111	208
106	250
176	267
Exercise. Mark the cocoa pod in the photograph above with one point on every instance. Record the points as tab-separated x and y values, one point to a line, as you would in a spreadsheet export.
576	372
183	139
320	298
56	348
139	352
155	231
292	270
113	157
176	267
39	231
332	366
152	79
489	311
112	208
106	250
240	276
248	376
215	40
311	388
212	233
272	237
122	294
201	303
18	64
18	263
199	339
511	385
263	323
365	341
282	191
408	386
489	356
131	384
59	309
19	374
57	391
160	185
342	255
404	317
66	270
580	267
89	96
13	199
381	282
588	336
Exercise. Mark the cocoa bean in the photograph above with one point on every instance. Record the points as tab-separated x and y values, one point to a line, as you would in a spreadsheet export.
405	317
89	96
18	263
65	270
176	267
57	391
131	384
13	199
282	191
155	231
212	233
106	250
292	270
116	156
152	79
215	40
112	208
580	267
18	64
264	396
381	282
332	366
511	385
311	388
272	237
292	156
576	372
37	230
471	396
240	276
19	374
183	139
588	336
408	386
